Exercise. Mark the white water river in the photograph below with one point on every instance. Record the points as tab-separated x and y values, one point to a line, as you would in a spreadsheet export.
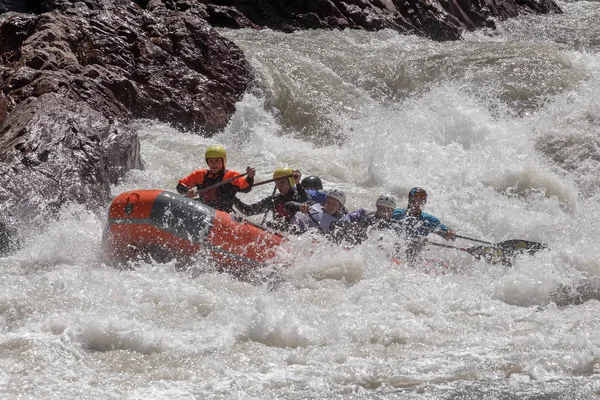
502	129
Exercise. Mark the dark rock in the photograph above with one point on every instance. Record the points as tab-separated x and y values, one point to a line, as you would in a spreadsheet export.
54	150
6	238
125	63
437	19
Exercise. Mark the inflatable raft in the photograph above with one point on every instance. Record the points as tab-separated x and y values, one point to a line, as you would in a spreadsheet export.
165	226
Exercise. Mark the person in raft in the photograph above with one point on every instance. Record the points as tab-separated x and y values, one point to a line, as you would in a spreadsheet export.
319	216
287	182
354	227
221	197
418	224
314	189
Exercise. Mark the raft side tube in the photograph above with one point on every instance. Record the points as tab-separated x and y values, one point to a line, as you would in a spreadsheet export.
166	225
243	239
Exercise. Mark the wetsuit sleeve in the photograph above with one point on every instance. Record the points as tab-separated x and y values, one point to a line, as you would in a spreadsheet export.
441	230
259	207
302	195
399	213
182	189
242	184
193	179
434	225
246	187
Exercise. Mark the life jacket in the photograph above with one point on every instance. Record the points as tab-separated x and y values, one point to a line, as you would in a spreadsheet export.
221	197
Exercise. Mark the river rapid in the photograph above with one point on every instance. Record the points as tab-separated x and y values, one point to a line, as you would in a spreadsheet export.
502	129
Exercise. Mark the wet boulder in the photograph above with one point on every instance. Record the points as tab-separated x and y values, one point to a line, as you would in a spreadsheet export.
436	19
125	62
54	150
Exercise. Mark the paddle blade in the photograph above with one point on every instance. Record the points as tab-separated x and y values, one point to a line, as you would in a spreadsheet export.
505	252
490	254
519	246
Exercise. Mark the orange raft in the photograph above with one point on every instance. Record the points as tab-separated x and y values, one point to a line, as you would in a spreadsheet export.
166	226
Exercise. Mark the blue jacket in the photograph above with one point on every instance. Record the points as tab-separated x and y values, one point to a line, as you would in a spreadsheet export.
419	226
318	196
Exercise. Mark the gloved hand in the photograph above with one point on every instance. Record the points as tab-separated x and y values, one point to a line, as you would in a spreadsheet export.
292	206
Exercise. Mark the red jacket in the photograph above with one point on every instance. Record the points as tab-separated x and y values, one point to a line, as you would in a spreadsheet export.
220	197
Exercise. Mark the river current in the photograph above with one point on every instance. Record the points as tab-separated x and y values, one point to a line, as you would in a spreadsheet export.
502	129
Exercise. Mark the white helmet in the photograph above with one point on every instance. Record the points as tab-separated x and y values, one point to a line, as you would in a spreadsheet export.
338	195
386	201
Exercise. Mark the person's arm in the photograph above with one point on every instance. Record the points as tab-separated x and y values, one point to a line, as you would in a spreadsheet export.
259	207
301	194
399	214
250	172
195	178
446	232
182	189
438	228
355	216
316	196
242	184
250	182
347	229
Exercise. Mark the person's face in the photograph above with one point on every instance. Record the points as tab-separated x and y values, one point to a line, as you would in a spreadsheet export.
384	213
215	164
417	201
331	205
283	185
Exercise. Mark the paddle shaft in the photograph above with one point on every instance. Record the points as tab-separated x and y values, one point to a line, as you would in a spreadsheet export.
216	185
267	213
271	180
316	222
474	240
447	246
489	254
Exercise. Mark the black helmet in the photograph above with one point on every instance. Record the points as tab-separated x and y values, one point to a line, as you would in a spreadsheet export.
312	182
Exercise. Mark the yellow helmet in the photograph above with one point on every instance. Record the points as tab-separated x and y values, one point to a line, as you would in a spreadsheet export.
282	172
216	152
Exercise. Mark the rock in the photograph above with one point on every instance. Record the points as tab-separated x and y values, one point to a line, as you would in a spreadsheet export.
125	62
436	19
54	150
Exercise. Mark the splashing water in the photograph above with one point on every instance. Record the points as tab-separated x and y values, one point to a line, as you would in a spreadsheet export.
501	129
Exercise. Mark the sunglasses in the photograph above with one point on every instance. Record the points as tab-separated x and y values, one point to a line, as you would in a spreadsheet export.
420	195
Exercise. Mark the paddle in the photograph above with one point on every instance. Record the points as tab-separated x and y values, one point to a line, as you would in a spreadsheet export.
511	245
216	185
474	240
271	180
272	194
264	228
267	213
294	207
495	253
